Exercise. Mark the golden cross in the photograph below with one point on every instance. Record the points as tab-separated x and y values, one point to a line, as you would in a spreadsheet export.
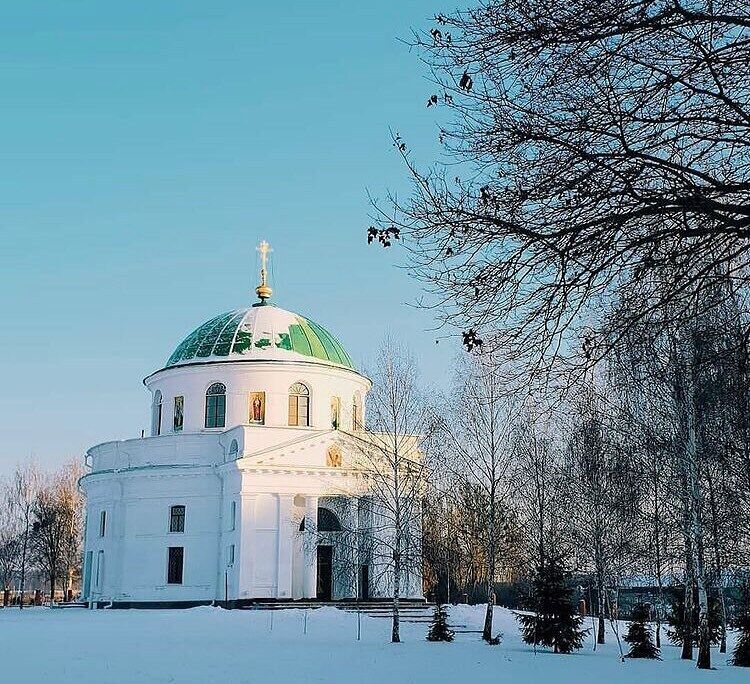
263	291
264	249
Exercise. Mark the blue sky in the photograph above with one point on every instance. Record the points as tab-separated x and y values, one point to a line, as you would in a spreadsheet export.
147	148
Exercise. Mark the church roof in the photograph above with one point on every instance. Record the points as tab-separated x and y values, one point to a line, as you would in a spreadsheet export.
261	332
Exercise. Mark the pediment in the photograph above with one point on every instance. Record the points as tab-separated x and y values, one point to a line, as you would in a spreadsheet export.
334	450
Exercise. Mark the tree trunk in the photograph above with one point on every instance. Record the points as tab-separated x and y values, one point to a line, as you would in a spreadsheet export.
687	618
23	562
660	600
487	631
704	635
723	645
657	549
696	529
600	612
717	558
396	626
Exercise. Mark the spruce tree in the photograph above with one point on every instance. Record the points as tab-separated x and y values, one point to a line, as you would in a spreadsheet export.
555	623
676	618
439	630
639	636
741	653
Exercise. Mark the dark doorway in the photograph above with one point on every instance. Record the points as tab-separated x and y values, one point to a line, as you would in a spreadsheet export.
325	573
364	582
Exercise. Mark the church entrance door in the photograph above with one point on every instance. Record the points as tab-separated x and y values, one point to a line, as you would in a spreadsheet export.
364	582
325	573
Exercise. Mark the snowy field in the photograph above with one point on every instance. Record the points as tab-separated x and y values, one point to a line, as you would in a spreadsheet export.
210	645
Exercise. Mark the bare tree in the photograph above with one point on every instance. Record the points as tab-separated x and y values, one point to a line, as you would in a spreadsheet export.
23	492
539	495
11	540
57	511
739	448
454	545
476	431
601	500
72	506
589	145
391	455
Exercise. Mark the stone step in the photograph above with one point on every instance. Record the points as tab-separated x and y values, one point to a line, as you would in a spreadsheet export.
417	621
389	613
69	604
365	606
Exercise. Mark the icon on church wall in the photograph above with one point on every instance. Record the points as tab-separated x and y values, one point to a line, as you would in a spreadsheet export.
333	457
257	408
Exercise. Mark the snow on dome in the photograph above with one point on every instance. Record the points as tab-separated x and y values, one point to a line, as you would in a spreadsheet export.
262	333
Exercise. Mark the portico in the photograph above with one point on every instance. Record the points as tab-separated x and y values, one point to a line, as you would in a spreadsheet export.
286	539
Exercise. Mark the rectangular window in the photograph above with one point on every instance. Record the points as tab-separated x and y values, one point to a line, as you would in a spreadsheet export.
102	523
179	408
99	569
177	519
232	515
87	569
216	406
230	555
174	564
299	410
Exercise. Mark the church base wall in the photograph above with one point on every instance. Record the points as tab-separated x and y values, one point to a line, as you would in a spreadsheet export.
244	532
257	604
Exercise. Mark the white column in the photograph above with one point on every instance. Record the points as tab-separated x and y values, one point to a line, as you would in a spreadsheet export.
286	546
246	528
310	547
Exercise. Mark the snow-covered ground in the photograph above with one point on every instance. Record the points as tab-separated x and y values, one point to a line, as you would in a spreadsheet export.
207	645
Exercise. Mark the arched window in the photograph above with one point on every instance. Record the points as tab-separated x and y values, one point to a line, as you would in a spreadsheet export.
233	450
299	405
335	413
156	414
328	521
357	411
216	405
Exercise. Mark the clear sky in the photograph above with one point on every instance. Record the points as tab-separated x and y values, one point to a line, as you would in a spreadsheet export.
147	147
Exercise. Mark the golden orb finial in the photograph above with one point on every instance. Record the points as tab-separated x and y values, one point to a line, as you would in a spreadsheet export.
263	290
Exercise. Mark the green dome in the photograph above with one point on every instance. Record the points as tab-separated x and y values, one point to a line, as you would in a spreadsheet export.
263	333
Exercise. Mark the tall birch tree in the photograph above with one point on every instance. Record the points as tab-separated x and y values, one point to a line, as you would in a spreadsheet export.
477	429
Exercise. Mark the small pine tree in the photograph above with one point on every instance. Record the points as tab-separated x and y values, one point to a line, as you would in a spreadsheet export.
555	623
439	630
741	653
639	636
676	617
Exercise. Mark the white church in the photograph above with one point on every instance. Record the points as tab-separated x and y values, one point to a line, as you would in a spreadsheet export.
247	489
